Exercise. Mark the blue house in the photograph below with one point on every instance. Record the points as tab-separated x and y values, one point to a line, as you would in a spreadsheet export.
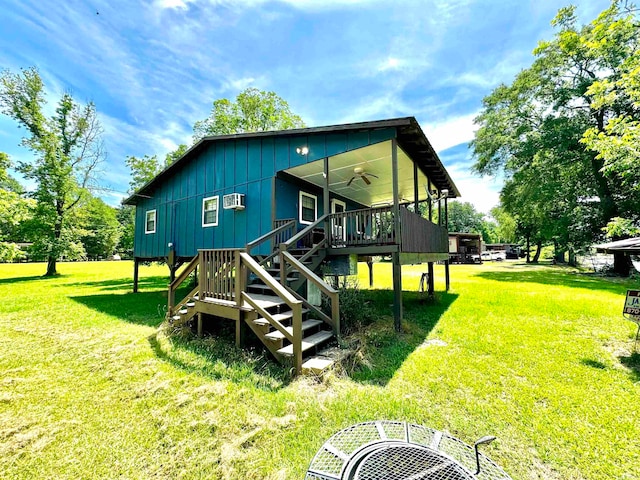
259	215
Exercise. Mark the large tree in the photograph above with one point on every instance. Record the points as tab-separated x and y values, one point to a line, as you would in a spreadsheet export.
66	149
253	111
534	130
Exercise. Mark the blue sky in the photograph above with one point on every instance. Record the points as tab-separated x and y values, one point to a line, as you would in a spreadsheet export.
154	67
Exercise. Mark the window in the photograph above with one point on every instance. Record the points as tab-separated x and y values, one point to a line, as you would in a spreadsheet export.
150	222
308	208
210	211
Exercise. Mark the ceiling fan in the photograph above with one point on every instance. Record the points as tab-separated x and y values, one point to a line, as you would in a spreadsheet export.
359	172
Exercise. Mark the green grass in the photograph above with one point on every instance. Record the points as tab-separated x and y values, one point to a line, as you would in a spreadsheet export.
537	355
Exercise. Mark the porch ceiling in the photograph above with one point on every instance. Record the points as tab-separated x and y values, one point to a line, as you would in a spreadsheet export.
374	159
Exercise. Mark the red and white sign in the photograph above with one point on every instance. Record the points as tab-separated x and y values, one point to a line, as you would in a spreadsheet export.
632	304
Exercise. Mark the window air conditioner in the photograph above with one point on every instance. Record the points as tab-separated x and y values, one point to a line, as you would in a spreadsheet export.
234	201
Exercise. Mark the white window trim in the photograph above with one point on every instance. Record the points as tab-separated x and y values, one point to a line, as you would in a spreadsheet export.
146	221
315	199
204	200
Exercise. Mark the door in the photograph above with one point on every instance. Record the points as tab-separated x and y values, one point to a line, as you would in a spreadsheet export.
338	230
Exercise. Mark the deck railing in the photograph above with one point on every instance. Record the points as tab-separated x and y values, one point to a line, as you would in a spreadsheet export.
368	226
375	227
219	274
282	231
420	235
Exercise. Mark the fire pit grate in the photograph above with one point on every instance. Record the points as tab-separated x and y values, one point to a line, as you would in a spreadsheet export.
399	451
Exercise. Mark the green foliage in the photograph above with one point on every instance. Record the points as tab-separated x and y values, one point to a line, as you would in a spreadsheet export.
535	131
10	252
100	229
144	169
621	228
253	111
505	226
66	150
126	215
355	310
463	218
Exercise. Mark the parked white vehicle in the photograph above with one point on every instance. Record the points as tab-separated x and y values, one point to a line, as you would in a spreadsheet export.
498	256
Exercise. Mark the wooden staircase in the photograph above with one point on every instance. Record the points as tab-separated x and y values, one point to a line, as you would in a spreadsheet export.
266	293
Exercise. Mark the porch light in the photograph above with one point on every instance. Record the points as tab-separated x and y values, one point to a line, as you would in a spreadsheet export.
302	150
445	193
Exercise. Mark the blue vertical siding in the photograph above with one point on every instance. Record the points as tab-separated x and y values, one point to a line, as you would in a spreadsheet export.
245	166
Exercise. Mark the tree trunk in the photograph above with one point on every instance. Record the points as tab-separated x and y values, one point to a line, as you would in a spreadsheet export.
528	249
51	267
572	258
536	257
621	264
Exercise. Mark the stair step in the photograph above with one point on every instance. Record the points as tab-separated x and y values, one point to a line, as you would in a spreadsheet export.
265	301
307	343
317	365
260	286
183	311
190	304
306	325
278	317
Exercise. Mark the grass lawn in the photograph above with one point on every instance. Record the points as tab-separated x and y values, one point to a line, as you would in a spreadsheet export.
538	356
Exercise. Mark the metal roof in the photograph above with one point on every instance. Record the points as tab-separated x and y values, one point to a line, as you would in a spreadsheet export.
628	245
409	134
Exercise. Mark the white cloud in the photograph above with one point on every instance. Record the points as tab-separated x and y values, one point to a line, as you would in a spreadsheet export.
390	63
482	192
450	133
173	4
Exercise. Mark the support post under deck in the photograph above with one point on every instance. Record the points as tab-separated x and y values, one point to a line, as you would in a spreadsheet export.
446	275
397	290
431	282
136	266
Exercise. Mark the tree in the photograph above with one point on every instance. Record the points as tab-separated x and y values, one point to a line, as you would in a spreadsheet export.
14	211
67	149
144	169
100	229
534	130
505	226
463	218
253	111
126	215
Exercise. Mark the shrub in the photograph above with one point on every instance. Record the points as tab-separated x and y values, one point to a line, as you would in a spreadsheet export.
355	310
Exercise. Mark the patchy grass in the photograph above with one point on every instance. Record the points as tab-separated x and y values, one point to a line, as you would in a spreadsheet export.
537	355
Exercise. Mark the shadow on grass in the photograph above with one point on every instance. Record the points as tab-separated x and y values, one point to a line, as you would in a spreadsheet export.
593	363
217	358
532	273
142	308
632	362
382	349
158	282
30	278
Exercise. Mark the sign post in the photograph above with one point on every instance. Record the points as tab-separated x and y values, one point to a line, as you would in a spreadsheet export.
631	310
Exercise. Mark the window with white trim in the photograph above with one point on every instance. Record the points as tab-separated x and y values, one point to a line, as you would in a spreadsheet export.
308	208
210	211
150	222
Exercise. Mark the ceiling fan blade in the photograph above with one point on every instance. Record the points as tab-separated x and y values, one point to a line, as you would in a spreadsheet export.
349	182
372	175
366	180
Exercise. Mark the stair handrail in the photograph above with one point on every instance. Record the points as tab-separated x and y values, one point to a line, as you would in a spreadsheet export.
328	290
303	233
260	240
173	286
294	304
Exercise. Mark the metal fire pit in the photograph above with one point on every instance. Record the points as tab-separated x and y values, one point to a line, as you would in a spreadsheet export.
400	451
